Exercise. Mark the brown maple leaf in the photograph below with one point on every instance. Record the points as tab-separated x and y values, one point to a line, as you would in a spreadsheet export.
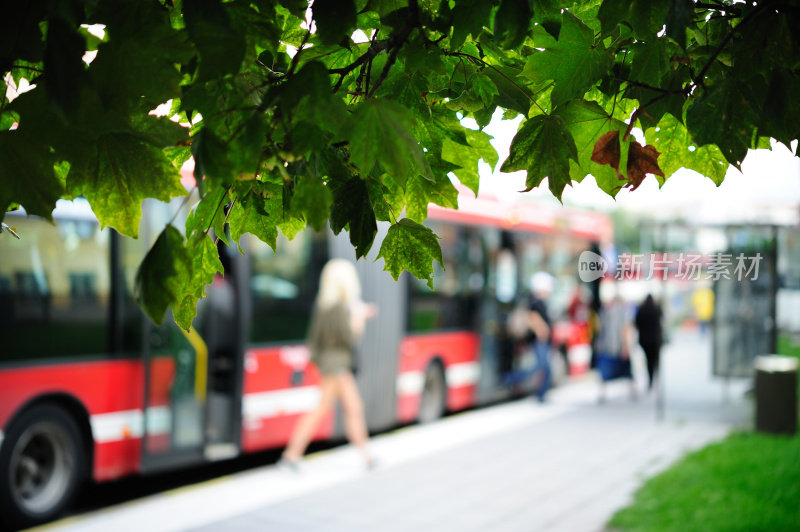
606	150
641	161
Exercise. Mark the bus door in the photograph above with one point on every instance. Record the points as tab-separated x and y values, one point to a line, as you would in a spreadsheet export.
498	301
192	379
220	324
175	375
192	385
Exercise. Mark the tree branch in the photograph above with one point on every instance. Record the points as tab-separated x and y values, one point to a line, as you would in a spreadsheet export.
397	42
478	61
651	87
296	57
369	64
374	49
385	72
719	7
725	41
25	67
639	110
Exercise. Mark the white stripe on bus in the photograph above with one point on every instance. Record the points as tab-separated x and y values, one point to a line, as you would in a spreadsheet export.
410	383
125	424
463	374
456	375
117	426
280	402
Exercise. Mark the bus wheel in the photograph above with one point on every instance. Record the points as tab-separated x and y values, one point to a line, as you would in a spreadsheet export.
434	394
42	463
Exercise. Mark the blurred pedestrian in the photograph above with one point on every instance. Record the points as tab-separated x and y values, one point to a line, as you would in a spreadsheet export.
338	321
613	344
648	324
540	328
703	300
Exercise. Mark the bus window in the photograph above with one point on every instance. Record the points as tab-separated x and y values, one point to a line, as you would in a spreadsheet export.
132	318
532	257
457	287
283	285
54	289
504	273
155	217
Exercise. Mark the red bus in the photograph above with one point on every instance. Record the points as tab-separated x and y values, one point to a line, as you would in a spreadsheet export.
92	390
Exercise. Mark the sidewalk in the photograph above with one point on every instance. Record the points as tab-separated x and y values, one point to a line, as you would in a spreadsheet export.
566	465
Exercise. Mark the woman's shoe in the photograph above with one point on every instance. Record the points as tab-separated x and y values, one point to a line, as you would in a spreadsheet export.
289	464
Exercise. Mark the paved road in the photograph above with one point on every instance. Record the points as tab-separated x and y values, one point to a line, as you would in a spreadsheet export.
565	465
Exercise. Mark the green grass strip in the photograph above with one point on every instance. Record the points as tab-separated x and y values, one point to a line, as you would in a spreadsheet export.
746	482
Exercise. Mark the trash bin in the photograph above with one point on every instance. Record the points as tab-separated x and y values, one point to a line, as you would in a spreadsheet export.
776	394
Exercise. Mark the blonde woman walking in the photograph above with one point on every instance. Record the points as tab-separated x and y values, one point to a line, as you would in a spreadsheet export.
337	323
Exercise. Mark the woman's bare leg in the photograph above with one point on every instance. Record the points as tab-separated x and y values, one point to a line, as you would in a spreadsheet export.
355	426
308	423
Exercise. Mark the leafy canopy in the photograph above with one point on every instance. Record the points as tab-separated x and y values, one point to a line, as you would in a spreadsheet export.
292	119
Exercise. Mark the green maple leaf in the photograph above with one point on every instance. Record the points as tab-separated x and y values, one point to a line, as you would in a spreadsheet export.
421	61
724	116
211	159
192	279
781	110
660	103
466	159
158	279
312	201
380	131
511	93
679	16
412	247
352	208
649	62
140	37
335	19
420	192
307	96
672	140
465	151
544	148
407	89
646	17
443	124
484	88
26	175
466	156
387	198
575	63
62	61
221	48
123	171
209	213
511	23
480	142
295	7
259	211
291	226
548	14
469	16
586	121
